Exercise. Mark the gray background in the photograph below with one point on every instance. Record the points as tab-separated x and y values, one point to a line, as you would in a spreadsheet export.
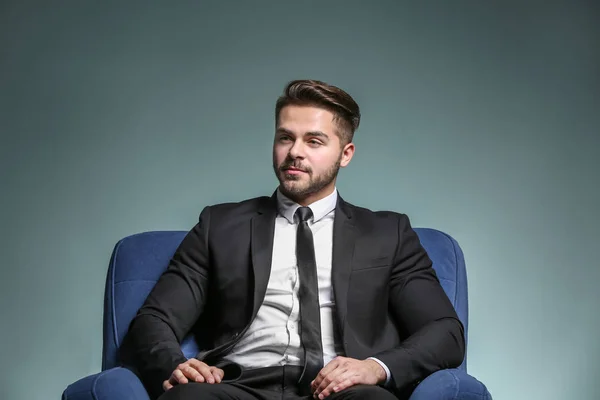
480	119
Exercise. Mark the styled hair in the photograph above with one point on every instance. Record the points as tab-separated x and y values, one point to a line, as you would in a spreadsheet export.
307	92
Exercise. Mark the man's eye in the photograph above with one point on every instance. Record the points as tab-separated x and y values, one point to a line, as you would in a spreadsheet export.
284	138
314	142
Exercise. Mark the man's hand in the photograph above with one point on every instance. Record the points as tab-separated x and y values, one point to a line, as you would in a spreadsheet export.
193	370
343	372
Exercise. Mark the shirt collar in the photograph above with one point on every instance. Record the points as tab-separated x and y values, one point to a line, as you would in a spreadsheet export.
320	208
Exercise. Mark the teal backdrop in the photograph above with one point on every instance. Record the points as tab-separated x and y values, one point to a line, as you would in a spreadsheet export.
480	119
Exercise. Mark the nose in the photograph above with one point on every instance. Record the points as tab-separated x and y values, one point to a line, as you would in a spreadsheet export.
297	150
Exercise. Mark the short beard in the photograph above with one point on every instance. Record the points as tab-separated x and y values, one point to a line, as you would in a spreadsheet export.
314	185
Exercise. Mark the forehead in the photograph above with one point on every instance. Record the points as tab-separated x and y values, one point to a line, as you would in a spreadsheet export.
306	118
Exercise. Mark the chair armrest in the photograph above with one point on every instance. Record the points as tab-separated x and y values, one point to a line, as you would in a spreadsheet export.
112	384
450	384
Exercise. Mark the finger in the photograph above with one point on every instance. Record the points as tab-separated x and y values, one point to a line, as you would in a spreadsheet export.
201	371
196	363
332	365
345	384
205	373
178	376
342	382
167	385
330	379
218	374
194	366
192	374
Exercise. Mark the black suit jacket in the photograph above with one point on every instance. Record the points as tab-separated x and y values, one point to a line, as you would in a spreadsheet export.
389	303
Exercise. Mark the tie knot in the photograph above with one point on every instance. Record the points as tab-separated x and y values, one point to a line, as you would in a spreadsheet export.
304	214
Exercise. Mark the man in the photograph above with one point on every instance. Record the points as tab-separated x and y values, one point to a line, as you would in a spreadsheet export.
300	294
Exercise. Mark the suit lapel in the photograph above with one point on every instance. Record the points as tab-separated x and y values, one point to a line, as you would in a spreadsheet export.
263	232
261	247
344	238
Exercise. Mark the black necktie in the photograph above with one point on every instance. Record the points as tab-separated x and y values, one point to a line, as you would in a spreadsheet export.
310	317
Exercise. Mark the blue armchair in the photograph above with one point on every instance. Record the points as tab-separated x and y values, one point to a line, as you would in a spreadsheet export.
138	261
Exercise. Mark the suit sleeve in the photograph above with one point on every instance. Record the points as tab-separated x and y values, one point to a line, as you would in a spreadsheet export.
434	334
151	347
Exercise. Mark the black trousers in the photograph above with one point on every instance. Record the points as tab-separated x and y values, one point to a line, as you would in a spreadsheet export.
272	383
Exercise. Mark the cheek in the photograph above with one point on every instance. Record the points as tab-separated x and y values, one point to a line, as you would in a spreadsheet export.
319	162
279	154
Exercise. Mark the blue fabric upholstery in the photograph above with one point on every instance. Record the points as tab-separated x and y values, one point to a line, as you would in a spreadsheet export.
450	384
449	264
139	260
112	384
136	264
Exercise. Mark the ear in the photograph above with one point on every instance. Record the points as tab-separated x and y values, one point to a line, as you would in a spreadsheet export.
347	154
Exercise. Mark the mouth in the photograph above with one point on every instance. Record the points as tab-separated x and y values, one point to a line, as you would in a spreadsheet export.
294	171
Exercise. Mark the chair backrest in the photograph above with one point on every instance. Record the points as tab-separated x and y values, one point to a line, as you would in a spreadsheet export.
139	260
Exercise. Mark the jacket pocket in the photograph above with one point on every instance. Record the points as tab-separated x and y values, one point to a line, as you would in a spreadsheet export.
368	263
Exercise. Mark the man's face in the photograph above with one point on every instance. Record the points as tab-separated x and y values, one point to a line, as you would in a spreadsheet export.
307	153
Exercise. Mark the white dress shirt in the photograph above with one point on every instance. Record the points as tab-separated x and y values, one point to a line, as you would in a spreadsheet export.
273	338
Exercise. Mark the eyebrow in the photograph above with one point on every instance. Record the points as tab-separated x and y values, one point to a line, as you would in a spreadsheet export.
309	133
